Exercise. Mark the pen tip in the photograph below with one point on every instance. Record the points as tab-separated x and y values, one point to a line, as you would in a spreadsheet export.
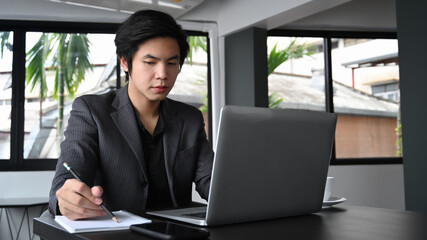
115	219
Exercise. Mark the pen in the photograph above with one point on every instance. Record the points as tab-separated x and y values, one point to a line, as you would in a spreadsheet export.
102	204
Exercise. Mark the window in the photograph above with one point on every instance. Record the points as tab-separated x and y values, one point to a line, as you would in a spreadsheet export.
360	79
46	113
6	58
33	140
367	118
31	130
388	91
191	86
296	73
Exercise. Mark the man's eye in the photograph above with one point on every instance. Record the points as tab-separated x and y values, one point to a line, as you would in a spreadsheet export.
173	63
149	63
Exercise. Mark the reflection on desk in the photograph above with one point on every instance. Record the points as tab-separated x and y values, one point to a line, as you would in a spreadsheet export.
343	222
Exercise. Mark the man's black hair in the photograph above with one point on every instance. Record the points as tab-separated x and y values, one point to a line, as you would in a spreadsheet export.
144	25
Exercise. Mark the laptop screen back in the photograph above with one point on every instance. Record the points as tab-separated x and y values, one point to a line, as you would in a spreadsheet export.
269	163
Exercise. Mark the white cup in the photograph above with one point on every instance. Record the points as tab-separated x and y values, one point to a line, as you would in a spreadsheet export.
328	188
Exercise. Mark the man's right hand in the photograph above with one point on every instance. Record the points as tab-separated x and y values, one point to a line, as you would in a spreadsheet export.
76	200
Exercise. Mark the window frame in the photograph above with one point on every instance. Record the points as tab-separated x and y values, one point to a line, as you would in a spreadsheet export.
329	105
16	162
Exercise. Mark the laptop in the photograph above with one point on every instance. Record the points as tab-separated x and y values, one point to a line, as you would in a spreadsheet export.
269	163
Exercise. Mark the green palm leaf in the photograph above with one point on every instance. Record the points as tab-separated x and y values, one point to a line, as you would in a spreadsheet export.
276	58
77	61
36	59
4	42
68	54
195	42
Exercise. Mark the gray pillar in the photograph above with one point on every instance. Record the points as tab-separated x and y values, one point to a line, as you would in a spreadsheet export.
246	82
412	38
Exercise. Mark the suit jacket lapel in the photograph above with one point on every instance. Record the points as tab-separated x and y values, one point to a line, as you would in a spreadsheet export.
171	136
124	118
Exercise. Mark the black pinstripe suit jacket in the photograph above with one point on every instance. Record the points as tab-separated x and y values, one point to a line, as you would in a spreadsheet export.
102	144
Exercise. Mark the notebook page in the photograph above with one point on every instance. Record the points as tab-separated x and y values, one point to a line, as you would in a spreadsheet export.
104	223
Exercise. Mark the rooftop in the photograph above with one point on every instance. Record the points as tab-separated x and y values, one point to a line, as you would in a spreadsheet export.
304	92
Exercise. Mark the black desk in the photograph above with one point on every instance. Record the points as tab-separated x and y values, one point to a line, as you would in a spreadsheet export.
340	222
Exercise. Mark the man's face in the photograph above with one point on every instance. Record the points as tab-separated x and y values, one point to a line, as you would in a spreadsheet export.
155	66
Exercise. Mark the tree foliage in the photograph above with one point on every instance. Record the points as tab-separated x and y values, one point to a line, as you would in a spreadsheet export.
195	43
4	42
55	51
276	58
68	55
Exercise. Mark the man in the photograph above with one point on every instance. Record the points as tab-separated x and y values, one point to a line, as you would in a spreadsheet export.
137	148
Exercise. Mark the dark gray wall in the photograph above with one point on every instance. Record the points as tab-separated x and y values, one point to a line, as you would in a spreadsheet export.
412	37
246	82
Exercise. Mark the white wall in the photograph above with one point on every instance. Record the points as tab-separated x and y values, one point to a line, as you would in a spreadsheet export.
379	186
22	185
370	185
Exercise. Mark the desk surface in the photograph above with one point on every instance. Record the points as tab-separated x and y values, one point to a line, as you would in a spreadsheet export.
340	222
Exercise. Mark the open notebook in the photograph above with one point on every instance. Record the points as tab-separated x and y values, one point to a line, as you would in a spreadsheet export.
104	223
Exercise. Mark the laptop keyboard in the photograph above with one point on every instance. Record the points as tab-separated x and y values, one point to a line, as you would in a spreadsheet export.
201	215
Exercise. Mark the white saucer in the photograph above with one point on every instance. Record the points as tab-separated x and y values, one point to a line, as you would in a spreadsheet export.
333	201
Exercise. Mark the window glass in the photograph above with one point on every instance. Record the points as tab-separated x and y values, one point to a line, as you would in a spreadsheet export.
296	73
366	98
191	85
47	104
6	57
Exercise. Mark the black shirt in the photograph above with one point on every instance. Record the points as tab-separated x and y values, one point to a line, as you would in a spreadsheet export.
158	188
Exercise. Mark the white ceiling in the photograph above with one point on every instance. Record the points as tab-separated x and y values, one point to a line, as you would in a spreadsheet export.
367	15
111	11
174	7
350	15
229	15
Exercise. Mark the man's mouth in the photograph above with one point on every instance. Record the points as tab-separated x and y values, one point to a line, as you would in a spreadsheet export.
160	89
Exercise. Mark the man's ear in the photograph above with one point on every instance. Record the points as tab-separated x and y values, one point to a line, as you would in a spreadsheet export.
124	64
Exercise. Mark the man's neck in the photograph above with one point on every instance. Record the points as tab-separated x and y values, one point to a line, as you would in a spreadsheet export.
148	112
143	105
147	109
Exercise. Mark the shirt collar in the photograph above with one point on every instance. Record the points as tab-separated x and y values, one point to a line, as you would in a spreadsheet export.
159	126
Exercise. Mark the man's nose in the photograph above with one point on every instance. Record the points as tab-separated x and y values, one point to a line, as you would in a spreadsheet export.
161	71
